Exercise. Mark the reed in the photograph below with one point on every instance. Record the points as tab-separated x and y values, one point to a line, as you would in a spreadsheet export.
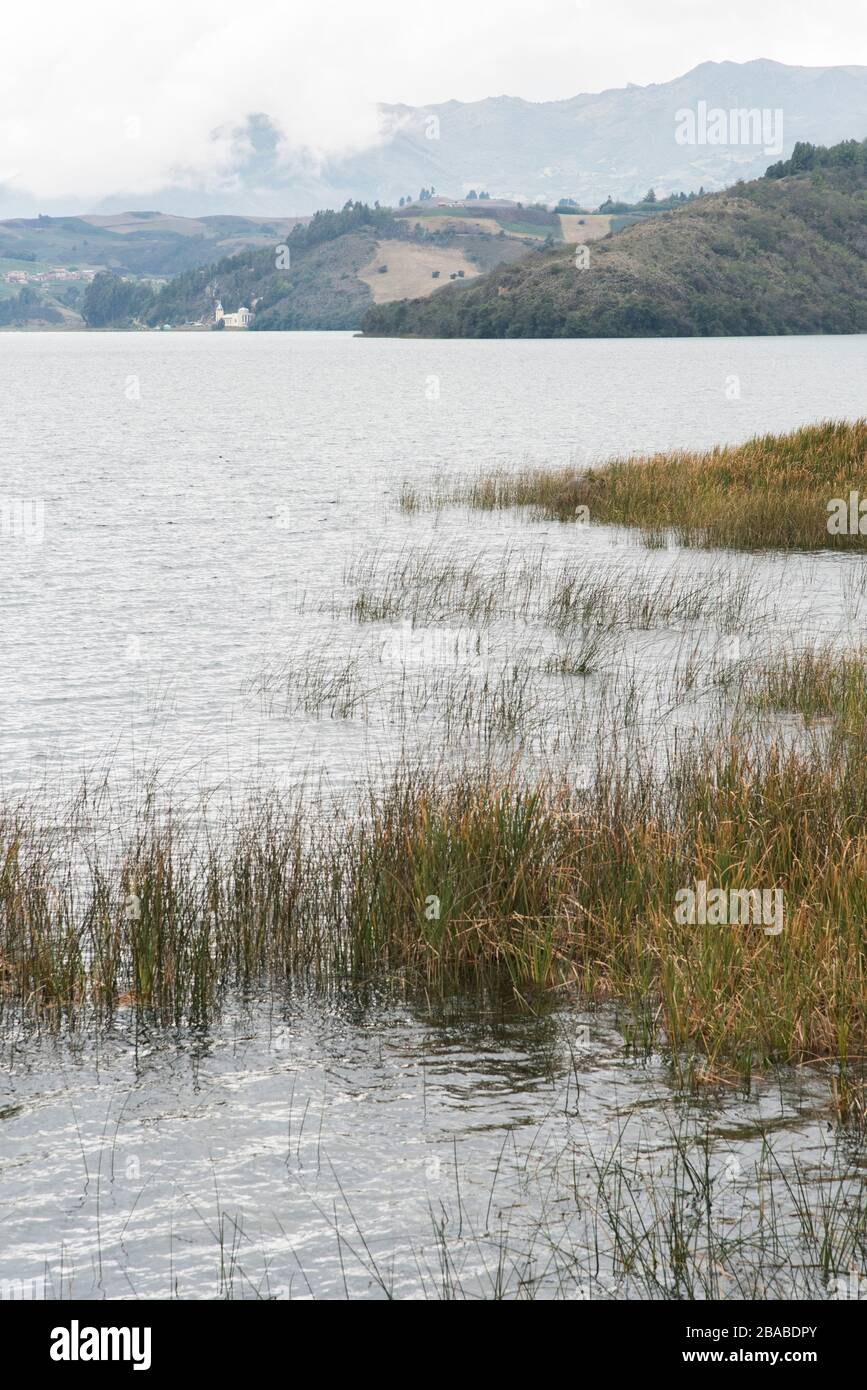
816	682
602	1227
773	492
434	585
460	881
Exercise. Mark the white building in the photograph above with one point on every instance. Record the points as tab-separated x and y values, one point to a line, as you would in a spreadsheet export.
242	319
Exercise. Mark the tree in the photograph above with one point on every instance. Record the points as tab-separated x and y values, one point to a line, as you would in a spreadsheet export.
111	301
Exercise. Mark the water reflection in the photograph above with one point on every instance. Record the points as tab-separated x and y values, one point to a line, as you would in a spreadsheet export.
361	1144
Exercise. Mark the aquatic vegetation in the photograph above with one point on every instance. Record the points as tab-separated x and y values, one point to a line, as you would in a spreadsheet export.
432	584
773	492
585	747
817	683
676	1215
458	880
539	830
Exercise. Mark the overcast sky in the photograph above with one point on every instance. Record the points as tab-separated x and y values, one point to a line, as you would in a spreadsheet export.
101	95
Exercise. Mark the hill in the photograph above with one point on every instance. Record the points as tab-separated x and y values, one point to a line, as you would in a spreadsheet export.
786	253
324	276
135	243
47	263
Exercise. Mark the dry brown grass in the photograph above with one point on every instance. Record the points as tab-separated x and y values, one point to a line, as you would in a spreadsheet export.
476	880
410	269
770	493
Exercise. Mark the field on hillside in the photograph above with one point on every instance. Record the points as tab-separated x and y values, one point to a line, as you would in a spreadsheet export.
410	269
590	227
458	222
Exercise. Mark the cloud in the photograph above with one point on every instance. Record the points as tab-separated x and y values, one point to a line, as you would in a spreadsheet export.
136	99
103	98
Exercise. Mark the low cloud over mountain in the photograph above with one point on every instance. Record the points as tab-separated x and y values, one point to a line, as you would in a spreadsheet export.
717	123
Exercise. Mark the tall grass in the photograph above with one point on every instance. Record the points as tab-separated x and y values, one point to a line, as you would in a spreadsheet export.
769	493
432	584
460	881
817	683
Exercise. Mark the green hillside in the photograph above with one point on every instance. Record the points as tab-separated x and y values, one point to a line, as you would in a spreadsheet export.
786	253
312	280
135	243
309	281
47	263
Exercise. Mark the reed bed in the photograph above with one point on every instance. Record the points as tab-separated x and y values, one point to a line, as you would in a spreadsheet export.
432	585
552	692
818	683
470	875
466	872
474	879
508	702
773	492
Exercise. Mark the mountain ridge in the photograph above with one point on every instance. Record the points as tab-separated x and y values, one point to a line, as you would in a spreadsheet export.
618	141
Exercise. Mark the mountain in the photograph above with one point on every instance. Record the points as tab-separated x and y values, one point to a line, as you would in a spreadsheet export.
786	253
618	142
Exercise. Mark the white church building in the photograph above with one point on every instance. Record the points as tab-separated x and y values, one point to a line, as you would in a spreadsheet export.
242	319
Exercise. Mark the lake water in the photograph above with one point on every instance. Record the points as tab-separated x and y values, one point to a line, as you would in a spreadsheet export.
186	519
195	487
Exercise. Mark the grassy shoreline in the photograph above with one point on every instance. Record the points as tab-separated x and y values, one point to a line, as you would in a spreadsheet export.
772	492
482	878
583	746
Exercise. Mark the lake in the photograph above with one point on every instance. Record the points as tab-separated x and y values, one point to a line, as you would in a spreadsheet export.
190	522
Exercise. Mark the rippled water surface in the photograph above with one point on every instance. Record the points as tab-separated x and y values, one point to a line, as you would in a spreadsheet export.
193	508
322	1149
196	488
